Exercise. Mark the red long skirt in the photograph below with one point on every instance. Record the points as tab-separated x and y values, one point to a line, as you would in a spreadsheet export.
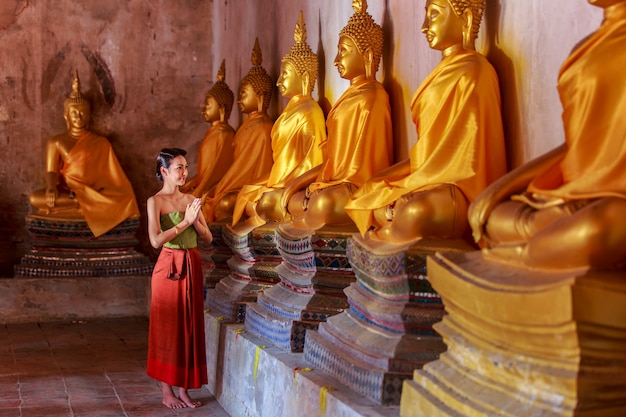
176	345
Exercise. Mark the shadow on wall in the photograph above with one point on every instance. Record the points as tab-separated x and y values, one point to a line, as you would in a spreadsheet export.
394	89
508	87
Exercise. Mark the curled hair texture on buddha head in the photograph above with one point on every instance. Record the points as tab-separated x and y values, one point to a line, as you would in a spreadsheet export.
164	159
221	92
477	7
301	55
75	96
365	32
258	78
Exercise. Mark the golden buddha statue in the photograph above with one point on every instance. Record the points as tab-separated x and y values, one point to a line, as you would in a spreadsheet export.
297	136
84	179
359	132
566	208
252	139
215	153
460	146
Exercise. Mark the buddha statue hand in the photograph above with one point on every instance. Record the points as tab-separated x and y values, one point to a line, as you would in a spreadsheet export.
503	188
298	184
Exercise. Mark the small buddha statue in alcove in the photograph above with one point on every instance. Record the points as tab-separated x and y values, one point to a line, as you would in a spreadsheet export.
460	141
359	132
84	179
252	149
566	209
215	153
297	137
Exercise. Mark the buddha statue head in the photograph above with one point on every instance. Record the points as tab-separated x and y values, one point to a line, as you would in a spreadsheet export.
299	66
76	109
257	85
364	34
219	99
448	23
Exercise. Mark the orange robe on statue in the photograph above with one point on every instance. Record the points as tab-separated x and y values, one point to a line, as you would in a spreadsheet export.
591	87
252	160
91	170
456	111
297	137
215	156
360	141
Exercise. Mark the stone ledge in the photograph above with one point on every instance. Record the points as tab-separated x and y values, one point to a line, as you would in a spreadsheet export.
255	379
51	299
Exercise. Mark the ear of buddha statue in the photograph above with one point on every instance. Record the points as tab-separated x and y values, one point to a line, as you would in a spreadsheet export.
366	34
302	57
471	11
221	92
258	78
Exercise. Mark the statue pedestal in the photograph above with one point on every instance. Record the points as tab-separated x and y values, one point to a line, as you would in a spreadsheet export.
388	330
251	269
523	342
68	248
313	273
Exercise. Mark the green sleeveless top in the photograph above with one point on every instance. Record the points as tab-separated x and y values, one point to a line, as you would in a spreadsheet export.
186	239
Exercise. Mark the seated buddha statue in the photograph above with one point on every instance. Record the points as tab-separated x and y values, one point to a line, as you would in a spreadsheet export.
460	140
84	179
297	136
359	133
566	208
215	153
252	149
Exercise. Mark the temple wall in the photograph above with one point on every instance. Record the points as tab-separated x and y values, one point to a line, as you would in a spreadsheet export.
146	66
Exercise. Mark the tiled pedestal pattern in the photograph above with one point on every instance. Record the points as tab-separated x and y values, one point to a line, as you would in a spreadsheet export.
251	269
313	274
523	343
68	248
387	332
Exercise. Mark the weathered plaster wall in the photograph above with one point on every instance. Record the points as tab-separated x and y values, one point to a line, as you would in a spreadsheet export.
146	65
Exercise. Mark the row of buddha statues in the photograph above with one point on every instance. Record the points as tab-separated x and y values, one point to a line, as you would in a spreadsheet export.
564	209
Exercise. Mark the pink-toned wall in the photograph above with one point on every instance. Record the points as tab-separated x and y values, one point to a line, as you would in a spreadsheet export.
146	65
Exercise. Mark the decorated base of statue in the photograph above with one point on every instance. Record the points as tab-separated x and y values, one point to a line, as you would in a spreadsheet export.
523	342
313	274
214	256
64	247
251	269
388	330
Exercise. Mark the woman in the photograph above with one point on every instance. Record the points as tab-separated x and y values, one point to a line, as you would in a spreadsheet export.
176	349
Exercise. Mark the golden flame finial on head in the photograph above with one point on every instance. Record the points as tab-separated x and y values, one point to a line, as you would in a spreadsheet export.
301	55
258	78
364	32
221	92
75	96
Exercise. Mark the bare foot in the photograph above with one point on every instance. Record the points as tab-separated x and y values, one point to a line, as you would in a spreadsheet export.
182	393
169	399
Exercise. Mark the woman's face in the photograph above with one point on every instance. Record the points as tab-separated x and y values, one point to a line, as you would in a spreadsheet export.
442	27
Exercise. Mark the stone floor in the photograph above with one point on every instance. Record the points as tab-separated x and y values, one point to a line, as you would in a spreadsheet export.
83	368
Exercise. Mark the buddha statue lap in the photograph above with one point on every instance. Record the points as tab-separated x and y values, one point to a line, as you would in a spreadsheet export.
428	194
84	180
359	133
252	138
215	153
566	208
297	137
